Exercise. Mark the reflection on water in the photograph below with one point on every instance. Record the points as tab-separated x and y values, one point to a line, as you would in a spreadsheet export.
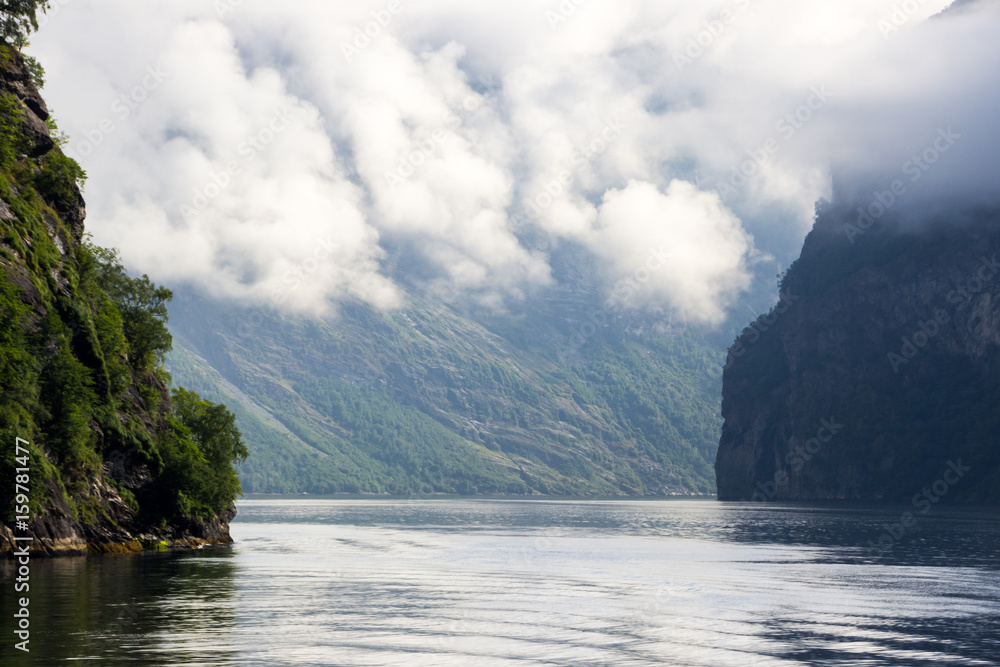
492	582
155	609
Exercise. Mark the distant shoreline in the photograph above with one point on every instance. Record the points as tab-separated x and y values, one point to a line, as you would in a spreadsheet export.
451	496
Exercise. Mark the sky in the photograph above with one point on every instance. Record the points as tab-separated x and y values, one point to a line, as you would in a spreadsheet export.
290	153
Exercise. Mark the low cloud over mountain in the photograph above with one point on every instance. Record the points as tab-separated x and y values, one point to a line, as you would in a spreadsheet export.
290	152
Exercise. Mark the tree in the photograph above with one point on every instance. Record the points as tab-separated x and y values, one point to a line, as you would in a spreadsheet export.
19	18
212	427
143	307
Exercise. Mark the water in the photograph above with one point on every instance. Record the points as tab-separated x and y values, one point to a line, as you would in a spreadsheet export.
494	582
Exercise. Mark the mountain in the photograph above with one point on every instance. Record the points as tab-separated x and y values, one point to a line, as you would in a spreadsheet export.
556	394
878	377
99	455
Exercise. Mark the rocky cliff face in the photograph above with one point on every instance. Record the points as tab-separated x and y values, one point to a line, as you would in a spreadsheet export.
94	475
877	376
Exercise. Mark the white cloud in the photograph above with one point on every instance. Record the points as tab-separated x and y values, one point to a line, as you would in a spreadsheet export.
706	246
453	126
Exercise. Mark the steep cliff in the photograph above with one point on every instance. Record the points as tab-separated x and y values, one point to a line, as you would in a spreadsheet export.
110	462
877	376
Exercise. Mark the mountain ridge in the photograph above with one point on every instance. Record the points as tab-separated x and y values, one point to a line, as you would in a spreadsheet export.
504	409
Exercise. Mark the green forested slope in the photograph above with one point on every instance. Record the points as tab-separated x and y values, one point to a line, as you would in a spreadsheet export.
432	398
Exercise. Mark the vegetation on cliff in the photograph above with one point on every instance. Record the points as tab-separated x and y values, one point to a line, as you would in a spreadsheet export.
113	453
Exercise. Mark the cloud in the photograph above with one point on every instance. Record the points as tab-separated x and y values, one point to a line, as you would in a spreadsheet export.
305	152
680	246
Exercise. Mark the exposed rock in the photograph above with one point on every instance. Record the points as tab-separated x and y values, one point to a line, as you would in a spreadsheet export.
38	134
883	369
5	212
15	78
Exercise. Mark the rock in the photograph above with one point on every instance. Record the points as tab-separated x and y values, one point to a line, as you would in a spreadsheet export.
15	78
38	134
884	368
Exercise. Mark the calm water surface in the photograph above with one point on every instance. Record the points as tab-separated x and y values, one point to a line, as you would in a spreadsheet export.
495	582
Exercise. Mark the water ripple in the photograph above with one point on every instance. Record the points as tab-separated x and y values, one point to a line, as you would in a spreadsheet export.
452	582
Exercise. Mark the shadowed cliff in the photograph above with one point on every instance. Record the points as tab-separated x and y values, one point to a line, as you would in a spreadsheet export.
879	379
